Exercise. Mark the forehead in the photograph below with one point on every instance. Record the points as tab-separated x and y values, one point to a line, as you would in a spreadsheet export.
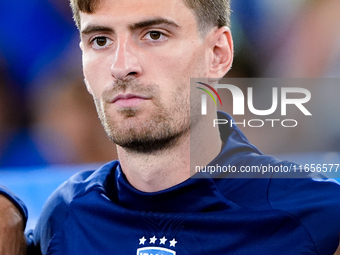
118	12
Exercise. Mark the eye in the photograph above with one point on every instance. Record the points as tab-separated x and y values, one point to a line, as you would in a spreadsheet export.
101	42
155	36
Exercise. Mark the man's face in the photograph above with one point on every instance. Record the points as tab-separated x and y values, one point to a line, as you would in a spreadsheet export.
138	58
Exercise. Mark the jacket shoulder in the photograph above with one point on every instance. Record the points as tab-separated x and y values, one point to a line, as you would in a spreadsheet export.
315	203
56	210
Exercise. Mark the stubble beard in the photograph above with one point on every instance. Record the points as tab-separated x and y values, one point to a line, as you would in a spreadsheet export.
160	131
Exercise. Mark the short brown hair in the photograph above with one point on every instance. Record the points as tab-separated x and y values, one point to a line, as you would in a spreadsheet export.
209	13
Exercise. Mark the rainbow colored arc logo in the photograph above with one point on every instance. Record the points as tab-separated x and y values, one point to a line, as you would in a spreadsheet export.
209	93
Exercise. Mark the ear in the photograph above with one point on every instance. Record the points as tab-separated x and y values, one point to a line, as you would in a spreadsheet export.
222	52
89	89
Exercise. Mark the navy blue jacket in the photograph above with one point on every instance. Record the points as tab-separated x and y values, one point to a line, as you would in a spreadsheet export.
99	212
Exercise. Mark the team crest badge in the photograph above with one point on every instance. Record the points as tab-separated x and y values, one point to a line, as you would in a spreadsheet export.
155	251
159	246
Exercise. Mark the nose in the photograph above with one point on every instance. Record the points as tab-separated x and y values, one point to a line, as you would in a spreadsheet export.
126	63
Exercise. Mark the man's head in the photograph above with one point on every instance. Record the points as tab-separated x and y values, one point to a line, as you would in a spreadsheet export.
208	13
138	58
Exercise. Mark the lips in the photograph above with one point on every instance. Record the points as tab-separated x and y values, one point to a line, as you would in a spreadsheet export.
128	100
127	96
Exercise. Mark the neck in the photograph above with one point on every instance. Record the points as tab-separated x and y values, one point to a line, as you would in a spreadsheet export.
161	170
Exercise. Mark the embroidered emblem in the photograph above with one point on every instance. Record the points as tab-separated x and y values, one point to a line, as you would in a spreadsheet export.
154	250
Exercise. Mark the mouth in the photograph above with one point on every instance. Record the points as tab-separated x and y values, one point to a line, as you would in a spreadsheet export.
129	100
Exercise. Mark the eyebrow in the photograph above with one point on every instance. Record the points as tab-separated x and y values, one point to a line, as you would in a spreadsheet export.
145	23
94	28
152	22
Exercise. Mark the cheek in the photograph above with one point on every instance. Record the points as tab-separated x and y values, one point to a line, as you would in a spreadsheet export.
189	63
95	74
174	70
